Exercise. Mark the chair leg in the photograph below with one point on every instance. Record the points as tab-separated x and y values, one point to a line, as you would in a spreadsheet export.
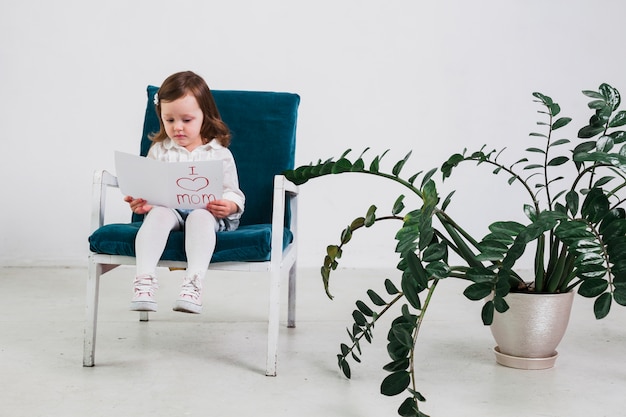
143	316
91	313
273	322
291	301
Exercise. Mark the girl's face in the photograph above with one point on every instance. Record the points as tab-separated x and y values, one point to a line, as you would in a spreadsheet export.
182	119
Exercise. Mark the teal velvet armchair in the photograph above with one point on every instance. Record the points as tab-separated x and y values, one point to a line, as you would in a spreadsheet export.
263	126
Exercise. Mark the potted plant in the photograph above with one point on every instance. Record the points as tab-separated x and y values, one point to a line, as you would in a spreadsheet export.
576	227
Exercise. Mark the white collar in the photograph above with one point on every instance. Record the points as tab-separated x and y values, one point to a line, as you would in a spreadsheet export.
213	143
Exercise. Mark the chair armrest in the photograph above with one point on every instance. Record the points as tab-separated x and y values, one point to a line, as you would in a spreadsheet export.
283	188
101	180
290	187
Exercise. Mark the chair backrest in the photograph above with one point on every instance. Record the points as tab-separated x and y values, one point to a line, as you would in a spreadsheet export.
263	127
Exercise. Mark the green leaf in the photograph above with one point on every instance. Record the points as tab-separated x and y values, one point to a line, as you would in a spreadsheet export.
390	287
592	287
572	200
602	181
417	271
435	252
480	274
342	165
500	304
400	164
376	299
537	150
559	160
333	251
590	131
358	222
344	366
618	120
453	161
403	333
407	236
595	206
395	349
619	295
554	108
374	166
611	95
504	239
478	291
398	206
447	201
438	269
359	318
604	144
408	408
428	176
358	166
563	121
487	313
597	104
397	365
370	217
613	231
619	136
559	142
363	308
593	94
395	383
533	166
509	228
407	317
346	235
602	306
346	152
411	290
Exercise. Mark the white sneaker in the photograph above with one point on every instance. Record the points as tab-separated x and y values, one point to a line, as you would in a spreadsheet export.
189	299
145	288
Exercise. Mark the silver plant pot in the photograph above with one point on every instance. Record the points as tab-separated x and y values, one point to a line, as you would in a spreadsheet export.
528	333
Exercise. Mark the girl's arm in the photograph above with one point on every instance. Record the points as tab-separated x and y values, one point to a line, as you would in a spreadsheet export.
232	192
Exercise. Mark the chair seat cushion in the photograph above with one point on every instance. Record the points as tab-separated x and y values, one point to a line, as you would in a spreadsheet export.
250	243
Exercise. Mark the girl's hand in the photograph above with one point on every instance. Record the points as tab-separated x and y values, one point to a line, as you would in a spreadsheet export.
138	205
222	208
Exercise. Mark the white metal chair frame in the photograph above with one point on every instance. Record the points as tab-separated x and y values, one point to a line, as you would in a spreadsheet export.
281	261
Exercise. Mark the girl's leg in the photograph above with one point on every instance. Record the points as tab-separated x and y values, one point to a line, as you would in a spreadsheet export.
200	238
149	245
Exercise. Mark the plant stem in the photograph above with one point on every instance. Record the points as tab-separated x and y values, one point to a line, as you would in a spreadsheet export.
374	319
545	162
418	325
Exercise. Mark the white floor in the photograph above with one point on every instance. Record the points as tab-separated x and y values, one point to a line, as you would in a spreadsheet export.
213	364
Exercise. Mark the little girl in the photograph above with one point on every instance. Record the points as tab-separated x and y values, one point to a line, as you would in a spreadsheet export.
191	129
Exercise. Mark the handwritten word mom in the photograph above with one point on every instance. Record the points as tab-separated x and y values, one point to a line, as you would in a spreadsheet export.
195	198
193	185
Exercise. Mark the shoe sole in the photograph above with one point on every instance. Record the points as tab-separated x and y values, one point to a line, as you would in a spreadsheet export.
143	306
187	307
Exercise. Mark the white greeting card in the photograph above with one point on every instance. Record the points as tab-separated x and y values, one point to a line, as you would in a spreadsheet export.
181	185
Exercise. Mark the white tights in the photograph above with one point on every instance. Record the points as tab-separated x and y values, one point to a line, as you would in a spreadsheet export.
200	231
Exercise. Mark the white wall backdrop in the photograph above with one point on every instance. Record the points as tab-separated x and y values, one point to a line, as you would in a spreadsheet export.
432	77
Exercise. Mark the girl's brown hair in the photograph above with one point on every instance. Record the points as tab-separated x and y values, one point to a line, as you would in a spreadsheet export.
182	83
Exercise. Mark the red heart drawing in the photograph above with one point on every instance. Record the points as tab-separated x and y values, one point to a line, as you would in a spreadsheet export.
193	184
